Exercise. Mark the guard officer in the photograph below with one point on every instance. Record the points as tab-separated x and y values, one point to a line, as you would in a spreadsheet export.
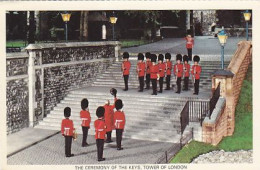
161	66
140	69
154	73
186	72
148	72
168	66
86	119
195	71
125	69
119	122
178	71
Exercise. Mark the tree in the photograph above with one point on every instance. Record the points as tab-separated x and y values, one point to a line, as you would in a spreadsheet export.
83	26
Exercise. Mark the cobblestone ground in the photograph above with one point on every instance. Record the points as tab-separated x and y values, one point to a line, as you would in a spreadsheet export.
51	152
204	45
225	157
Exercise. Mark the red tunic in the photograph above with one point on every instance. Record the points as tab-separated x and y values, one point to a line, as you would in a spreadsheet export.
126	67
195	71
162	68
168	65
189	42
85	117
154	71
187	72
119	120
109	117
141	69
178	70
148	66
67	127
100	129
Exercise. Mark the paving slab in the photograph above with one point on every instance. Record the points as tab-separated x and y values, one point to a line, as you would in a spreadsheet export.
51	152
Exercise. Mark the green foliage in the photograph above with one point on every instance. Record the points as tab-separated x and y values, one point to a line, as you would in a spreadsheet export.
132	43
192	150
243	134
18	43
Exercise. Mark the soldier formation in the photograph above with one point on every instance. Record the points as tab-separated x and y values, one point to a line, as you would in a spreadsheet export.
156	72
107	120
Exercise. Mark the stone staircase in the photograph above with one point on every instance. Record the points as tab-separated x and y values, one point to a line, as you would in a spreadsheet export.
154	118
148	117
113	76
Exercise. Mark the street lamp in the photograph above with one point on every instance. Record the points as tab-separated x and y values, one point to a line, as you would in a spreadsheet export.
113	20
247	16
222	37
66	18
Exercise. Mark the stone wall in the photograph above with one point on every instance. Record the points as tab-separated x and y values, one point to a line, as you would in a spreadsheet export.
17	116
42	77
231	81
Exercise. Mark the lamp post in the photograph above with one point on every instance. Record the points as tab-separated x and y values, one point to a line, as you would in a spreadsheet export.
247	16
113	20
66	18
222	37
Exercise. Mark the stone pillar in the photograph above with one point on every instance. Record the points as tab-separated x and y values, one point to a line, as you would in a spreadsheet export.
225	77
31	87
188	20
104	32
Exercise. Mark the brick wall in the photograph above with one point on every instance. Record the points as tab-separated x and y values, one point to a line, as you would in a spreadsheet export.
224	125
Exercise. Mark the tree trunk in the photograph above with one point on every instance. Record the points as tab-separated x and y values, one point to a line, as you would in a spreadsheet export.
83	26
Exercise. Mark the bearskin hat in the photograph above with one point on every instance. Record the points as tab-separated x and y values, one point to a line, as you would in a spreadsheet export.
196	58
168	56
84	104
185	58
100	111
67	112
113	91
179	57
125	55
160	57
153	57
119	104
147	55
140	56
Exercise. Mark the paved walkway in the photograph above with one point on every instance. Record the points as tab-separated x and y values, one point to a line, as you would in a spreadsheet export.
51	152
204	45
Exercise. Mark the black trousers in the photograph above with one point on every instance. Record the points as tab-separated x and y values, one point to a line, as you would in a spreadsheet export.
100	148
119	133
168	80
68	141
154	85
126	77
109	135
196	86
178	84
147	81
189	53
186	83
161	83
85	135
141	82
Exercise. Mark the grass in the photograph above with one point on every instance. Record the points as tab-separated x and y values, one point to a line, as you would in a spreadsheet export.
242	139
16	43
133	43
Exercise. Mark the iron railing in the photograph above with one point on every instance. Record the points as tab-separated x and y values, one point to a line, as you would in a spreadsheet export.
184	117
198	110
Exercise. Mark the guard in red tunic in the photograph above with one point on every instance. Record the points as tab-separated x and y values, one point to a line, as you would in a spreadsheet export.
189	45
109	116
125	69
100	132
119	122
178	71
161	66
186	72
86	119
147	69
154	73
67	129
140	69
168	67
195	71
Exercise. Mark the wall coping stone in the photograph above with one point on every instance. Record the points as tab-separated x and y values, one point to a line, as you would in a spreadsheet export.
70	44
216	112
17	55
226	73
